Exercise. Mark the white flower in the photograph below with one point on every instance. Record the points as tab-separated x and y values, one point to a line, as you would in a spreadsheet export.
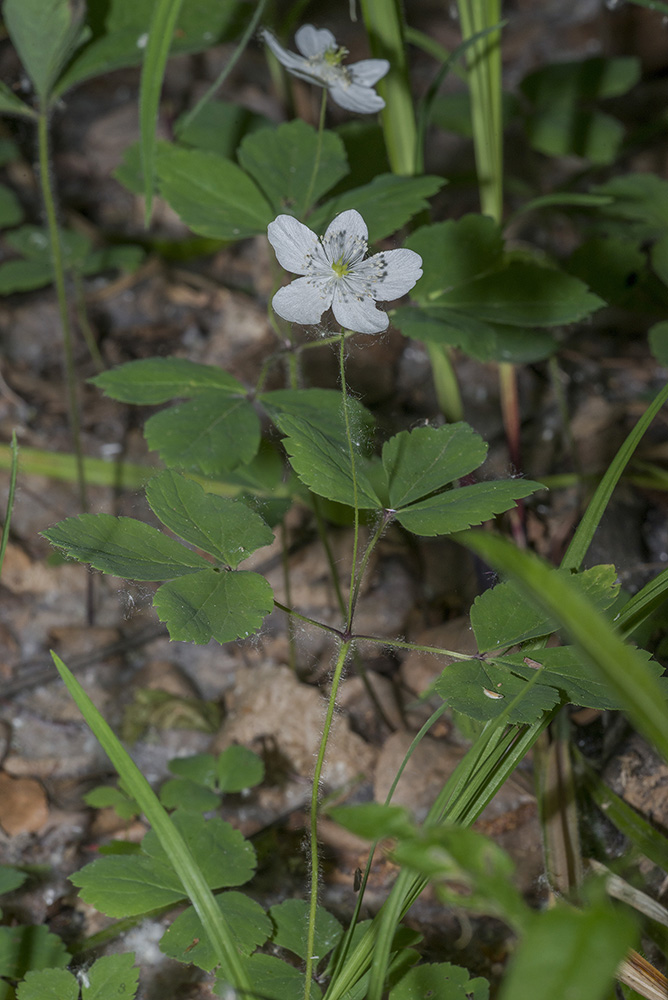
336	274
320	63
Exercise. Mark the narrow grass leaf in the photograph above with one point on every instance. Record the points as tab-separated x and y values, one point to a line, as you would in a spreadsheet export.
585	531
172	841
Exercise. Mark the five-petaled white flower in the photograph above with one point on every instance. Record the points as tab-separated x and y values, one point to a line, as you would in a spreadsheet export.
320	63
336	274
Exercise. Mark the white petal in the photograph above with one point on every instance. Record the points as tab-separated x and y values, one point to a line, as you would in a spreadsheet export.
368	71
358	314
391	273
312	42
303	301
293	243
347	226
290	60
355	97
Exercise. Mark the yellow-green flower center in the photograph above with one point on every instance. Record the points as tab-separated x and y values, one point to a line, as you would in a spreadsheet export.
335	56
340	267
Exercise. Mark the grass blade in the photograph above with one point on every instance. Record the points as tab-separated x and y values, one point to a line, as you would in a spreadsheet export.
171	840
585	531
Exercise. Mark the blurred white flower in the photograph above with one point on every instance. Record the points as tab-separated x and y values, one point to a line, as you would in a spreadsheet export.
336	274
320	63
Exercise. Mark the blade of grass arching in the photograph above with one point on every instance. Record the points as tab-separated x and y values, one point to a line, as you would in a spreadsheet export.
585	531
610	659
172	842
642	834
642	604
227	68
448	62
161	32
385	30
10	498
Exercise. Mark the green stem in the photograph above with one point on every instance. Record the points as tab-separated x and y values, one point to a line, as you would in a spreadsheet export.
398	644
351	451
445	381
375	538
10	498
292	647
307	620
315	792
227	68
84	323
61	295
318	154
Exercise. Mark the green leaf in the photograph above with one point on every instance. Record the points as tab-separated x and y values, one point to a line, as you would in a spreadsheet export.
565	130
124	547
199	767
219	127
561	123
157	380
110	976
225	857
272	979
455	252
374	820
503	617
213	605
226	529
322	409
386	204
238	768
105	796
161	29
608	657
444	981
291	921
563	668
48	984
180	793
186	939
10	879
616	268
126	885
584	79
45	33
33	947
211	195
323	463
639	200
11	211
571	953
659	257
484	691
658	342
119	33
10	104
212	433
460	508
524	294
477	338
423	460
24	275
280	160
